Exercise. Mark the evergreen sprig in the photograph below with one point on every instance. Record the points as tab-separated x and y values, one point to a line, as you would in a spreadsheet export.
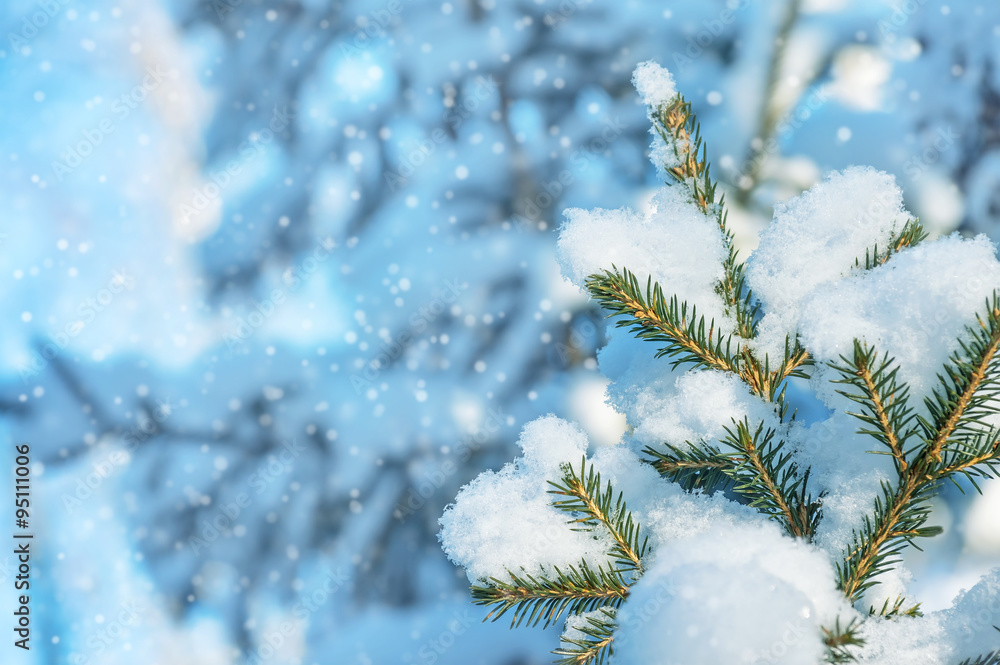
951	436
898	518
992	658
596	645
593	508
967	391
702	466
766	475
686	336
910	235
884	401
537	598
752	463
841	641
953	439
895	610
977	456
678	126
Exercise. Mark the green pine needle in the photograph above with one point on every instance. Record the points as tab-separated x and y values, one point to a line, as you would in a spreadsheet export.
896	609
841	642
910	235
596	645
765	474
992	658
537	598
686	336
885	410
593	508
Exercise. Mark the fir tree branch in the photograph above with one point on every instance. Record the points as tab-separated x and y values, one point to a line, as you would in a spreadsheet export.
968	389
688	339
910	235
653	317
976	457
601	509
955	440
767	383
776	490
896	610
695	467
992	658
536	598
899	518
884	401
840	640
758	469
596	645
678	126
769	479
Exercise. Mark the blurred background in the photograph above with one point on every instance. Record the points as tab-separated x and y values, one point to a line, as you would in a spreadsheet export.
277	278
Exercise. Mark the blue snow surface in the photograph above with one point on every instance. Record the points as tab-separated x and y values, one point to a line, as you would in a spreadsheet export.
277	278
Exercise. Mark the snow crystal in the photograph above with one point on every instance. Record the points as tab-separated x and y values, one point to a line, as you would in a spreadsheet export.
675	242
774	592
663	156
905	641
667	514
691	406
915	307
963	631
816	238
971	620
575	623
623	351
654	83
842	467
504	521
